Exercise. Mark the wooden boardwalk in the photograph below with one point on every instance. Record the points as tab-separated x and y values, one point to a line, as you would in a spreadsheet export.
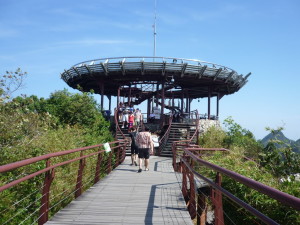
128	197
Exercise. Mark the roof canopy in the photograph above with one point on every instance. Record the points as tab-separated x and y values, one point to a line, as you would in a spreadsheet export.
196	77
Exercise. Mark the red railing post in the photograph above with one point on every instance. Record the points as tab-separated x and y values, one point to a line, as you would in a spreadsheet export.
78	188
201	208
174	157
98	168
108	170
184	183
217	202
118	157
49	176
192	197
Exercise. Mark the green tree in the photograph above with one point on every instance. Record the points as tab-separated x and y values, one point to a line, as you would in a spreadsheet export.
236	136
278	157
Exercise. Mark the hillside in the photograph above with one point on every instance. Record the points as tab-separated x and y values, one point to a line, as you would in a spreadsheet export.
280	136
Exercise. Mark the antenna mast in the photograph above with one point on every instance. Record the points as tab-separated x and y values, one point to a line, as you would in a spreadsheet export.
154	29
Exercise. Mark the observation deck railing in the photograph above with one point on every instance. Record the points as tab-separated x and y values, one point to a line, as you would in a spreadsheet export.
179	66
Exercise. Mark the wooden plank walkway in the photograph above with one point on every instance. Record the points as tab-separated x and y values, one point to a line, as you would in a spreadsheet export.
128	197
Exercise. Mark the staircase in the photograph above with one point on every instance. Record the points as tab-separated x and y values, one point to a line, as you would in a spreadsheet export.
178	131
119	136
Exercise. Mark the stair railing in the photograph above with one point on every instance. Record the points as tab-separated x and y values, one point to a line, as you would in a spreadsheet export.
164	139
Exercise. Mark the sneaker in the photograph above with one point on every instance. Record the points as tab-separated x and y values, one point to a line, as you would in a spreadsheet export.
147	169
135	163
131	164
122	126
140	170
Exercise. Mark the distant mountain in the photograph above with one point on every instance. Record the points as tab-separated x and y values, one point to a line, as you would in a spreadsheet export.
280	136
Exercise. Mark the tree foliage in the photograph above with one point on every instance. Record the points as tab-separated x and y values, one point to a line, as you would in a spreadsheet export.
32	126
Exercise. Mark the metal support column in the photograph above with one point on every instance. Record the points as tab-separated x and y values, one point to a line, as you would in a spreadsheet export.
109	103
148	108
157	97
129	96
182	97
187	102
162	101
218	99
102	95
208	103
118	98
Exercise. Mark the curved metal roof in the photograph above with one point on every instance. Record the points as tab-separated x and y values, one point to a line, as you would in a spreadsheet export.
194	76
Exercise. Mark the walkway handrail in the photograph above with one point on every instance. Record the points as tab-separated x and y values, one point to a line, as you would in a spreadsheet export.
163	140
284	198
115	155
15	165
152	59
189	160
118	129
197	127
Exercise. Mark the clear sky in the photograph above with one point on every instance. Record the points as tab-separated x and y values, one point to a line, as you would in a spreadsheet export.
44	37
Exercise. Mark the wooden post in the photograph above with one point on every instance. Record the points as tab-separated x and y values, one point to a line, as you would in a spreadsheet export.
78	188
98	168
49	176
217	202
109	167
201	209
192	197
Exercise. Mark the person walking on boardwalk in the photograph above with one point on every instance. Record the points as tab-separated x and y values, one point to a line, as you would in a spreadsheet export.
145	144
134	147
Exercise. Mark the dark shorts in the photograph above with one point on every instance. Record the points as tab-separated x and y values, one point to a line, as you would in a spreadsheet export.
144	153
134	150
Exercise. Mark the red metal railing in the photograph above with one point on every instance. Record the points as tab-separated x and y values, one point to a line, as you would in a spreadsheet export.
197	202
163	140
113	159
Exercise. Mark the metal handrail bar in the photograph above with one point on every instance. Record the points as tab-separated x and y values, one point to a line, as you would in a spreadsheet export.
219	149
15	182
267	190
168	130
197	126
106	60
246	206
14	165
163	140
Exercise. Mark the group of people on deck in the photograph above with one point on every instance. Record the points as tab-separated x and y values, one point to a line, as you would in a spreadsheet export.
129	116
141	146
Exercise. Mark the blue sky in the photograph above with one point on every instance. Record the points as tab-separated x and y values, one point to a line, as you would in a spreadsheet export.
45	37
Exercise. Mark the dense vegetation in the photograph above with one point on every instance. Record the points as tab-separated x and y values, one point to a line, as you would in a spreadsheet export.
32	126
270	165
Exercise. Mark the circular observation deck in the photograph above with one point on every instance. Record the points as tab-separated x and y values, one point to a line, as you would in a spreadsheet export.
199	78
